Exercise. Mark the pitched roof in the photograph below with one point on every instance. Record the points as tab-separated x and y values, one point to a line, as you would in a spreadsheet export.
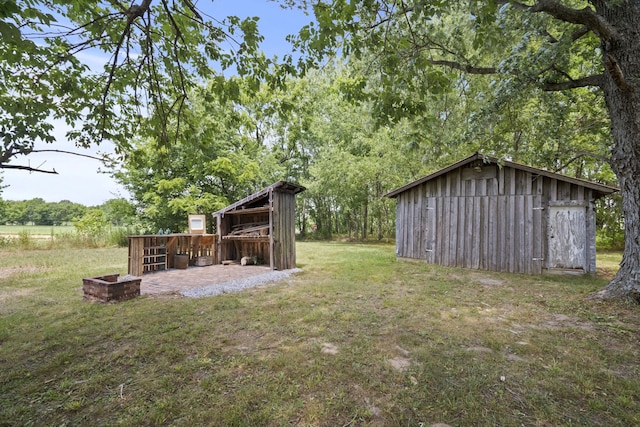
600	189
284	186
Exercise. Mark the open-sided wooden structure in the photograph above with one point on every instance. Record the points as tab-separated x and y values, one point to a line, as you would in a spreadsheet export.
498	215
261	227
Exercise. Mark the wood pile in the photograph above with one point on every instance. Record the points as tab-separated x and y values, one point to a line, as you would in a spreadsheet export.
251	229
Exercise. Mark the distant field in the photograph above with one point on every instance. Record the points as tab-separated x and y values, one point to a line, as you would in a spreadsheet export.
35	230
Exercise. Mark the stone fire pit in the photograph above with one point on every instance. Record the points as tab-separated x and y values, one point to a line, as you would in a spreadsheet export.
111	287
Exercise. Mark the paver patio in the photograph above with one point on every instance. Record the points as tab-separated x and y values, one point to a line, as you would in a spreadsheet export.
176	280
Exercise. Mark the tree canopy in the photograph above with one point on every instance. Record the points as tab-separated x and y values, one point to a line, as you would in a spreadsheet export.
156	52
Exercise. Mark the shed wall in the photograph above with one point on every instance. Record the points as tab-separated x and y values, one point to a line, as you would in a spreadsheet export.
490	218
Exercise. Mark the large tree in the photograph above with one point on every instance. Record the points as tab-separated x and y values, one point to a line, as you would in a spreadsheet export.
110	69
552	45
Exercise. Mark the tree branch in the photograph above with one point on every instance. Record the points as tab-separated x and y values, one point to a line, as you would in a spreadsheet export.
27	168
580	154
464	67
595	80
585	16
68	152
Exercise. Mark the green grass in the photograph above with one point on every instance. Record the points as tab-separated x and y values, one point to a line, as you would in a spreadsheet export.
356	339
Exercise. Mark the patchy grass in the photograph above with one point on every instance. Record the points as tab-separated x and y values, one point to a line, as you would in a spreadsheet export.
356	339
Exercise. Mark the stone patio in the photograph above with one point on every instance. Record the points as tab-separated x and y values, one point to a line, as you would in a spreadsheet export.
175	280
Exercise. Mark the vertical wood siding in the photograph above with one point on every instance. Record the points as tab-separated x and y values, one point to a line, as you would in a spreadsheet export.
494	219
284	239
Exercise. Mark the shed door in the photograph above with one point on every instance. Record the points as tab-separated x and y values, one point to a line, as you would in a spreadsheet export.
567	236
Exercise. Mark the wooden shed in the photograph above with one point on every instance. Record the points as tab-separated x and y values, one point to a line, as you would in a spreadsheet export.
261	227
496	215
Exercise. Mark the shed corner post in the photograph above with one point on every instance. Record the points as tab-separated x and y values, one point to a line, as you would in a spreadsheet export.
218	239
271	232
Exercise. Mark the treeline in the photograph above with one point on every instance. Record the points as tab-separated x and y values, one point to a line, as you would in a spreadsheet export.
117	212
324	132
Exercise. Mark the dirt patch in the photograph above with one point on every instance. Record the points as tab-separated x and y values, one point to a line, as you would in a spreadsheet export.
328	348
562	321
479	349
400	363
7	272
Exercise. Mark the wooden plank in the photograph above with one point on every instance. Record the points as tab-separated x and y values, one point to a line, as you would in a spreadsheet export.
457	182
485	233
567	203
272	231
511	172
590	263
257	229
476	234
466	187
453	235
521	243
438	231
461	233
501	230
443	222
409	225
494	232
526	182
446	232
241	211
528	234
431	229
247	238
399	222
418	251
423	222
553	189
481	187
511	230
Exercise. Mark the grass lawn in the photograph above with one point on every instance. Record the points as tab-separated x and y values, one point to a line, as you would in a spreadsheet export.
356	339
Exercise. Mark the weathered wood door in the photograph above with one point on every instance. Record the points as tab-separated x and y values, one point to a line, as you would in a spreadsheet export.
567	237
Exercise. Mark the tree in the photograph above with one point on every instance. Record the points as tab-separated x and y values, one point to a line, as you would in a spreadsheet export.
64	211
154	52
219	159
119	211
551	45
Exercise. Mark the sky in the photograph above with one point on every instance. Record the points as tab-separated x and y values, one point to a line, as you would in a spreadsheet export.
80	179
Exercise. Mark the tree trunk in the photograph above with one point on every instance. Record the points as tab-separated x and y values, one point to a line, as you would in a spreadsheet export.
622	93
365	220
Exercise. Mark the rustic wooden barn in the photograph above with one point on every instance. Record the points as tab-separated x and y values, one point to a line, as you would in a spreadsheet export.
498	215
261	227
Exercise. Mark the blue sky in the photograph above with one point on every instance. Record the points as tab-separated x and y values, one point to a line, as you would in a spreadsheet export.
79	179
